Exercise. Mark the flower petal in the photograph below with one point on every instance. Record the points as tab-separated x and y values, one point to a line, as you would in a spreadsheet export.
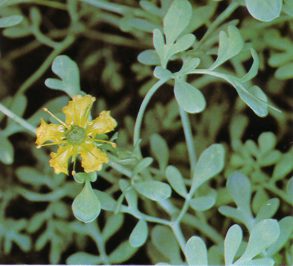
92	158
77	111
59	160
49	132
104	123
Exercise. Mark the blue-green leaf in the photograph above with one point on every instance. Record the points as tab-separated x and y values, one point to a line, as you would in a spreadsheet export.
6	151
254	97
229	46
67	70
209	164
162	73
129	192
159	149
264	10
165	242
177	19
189	64
283	167
189	98
262	235
266	142
158	41
83	258
182	44
107	202
289	188
239	187
154	190
288	7
139	234
10	21
176	180
253	69
113	224
286	230
268	209
230	212
83	177
122	253
196	252
285	72
86	206
203	203
260	262
149	57
232	242
142	165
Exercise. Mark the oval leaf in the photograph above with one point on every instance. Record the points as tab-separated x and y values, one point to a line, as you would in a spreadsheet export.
177	19
176	180
86	206
149	57
6	151
232	242
122	253
165	242
196	252
203	203
159	149
10	21
264	10
154	190
262	235
68	72
189	98
210	163
240	189
83	258
139	234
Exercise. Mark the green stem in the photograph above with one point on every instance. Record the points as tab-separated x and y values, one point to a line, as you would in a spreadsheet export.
166	205
46	64
280	193
120	168
224	15
188	137
48	3
145	102
179	235
17	119
112	39
141	216
228	79
202	227
95	234
112	7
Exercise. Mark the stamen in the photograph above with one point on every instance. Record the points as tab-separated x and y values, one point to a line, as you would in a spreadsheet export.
54	116
114	145
73	172
50	144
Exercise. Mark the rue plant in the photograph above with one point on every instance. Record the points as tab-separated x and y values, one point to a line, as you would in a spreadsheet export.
198	170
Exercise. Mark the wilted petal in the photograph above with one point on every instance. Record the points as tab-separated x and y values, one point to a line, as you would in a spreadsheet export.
104	123
92	158
77	111
59	160
49	132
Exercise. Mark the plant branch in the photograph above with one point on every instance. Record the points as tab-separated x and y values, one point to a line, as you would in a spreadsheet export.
17	119
144	104
188	137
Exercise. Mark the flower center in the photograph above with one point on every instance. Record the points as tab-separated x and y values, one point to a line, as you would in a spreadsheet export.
75	135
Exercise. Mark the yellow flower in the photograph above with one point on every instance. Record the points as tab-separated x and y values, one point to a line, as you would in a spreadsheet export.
78	136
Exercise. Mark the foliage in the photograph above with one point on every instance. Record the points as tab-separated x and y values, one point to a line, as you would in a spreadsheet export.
202	172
